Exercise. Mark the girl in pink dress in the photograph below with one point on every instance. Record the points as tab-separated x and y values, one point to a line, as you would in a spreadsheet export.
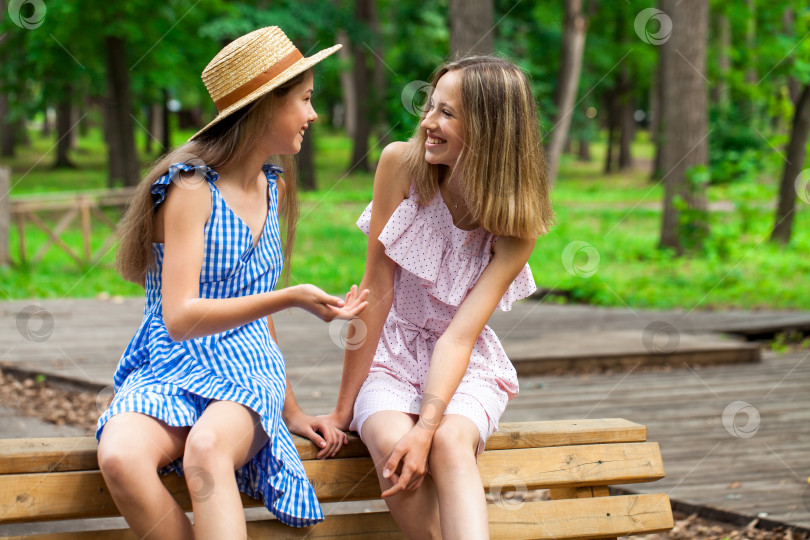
455	214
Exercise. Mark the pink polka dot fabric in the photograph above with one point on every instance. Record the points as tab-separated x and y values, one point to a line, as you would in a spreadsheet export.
437	265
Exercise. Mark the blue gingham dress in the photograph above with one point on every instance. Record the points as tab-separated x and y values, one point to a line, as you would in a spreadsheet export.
174	381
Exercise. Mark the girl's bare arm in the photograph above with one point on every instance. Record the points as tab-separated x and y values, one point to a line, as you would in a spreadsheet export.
391	185
186	314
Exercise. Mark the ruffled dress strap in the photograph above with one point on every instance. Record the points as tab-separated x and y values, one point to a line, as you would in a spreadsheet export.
522	287
424	241
161	185
272	171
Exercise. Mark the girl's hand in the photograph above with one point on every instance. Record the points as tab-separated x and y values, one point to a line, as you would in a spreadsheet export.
407	465
321	431
340	422
328	307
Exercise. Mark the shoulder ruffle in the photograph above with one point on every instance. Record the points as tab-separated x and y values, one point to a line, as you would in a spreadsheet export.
162	184
272	170
522	287
446	266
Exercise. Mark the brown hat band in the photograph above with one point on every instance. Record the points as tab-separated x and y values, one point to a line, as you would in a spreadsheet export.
262	78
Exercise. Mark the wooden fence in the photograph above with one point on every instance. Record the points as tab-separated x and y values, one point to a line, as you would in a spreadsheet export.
61	210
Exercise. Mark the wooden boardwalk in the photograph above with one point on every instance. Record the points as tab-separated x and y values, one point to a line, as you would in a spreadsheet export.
734	437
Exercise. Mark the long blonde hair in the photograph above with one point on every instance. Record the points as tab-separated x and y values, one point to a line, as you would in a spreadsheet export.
501	165
225	142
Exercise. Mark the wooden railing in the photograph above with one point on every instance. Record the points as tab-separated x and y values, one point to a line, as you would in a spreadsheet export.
54	214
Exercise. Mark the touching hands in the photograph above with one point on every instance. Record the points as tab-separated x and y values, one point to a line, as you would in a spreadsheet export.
342	422
407	466
328	307
321	430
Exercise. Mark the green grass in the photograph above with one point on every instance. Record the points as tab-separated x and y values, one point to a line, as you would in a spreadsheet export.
619	215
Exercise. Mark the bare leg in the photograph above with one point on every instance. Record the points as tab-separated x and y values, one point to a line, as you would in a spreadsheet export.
132	447
462	504
416	512
226	436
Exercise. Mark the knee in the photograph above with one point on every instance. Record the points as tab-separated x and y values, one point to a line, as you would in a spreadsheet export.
451	448
121	464
381	442
203	448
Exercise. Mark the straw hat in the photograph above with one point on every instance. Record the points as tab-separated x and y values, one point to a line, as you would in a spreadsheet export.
250	67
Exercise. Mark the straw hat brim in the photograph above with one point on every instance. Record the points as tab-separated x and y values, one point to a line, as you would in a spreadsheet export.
289	73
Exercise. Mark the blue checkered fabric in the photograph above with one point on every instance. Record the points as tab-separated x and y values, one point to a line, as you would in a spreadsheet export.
174	381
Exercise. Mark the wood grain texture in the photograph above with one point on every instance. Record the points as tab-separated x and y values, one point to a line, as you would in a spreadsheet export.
568	519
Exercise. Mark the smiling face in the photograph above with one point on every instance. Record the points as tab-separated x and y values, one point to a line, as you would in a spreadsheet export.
442	121
291	118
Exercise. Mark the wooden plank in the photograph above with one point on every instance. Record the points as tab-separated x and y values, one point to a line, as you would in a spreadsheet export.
565	432
62	201
20	220
568	519
48	454
736	354
578	492
54	236
582	518
368	526
41	496
572	466
79	453
87	231
581	493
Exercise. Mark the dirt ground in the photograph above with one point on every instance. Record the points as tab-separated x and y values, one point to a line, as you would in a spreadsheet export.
688	527
79	408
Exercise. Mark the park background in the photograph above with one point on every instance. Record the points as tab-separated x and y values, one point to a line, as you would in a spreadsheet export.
676	133
677	139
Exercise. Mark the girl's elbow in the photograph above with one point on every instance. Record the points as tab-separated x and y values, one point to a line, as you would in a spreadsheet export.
177	326
458	342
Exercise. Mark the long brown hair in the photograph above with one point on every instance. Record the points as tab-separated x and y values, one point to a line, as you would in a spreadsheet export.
225	142
501	165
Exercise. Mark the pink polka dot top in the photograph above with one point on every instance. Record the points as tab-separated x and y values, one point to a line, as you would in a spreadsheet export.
437	265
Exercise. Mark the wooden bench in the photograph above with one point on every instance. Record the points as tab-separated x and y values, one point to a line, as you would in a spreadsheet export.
55	479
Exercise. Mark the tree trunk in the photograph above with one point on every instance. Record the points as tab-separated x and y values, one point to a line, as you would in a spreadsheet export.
626	122
64	119
21	132
685	125
347	85
612	125
165	133
573	46
751	76
81	110
584	153
306	162
7	138
378	76
46	123
720	88
74	124
658	117
471	27
655	120
115	166
791	182
793	86
150	128
362	82
567	147
120	107
5	214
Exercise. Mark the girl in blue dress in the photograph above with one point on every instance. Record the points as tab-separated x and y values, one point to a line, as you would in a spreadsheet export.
201	388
